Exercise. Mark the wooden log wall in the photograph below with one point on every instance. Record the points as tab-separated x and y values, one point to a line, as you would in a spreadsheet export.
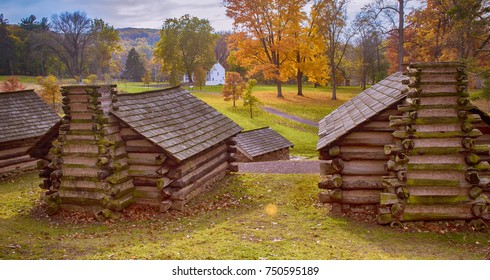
86	168
161	181
193	176
14	158
352	170
436	167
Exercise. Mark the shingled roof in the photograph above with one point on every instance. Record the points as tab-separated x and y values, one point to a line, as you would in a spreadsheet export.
24	115
175	120
361	108
261	141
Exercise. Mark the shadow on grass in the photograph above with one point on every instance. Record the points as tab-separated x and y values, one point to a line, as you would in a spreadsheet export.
253	216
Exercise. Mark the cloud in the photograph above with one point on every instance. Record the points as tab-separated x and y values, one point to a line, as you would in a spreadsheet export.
121	13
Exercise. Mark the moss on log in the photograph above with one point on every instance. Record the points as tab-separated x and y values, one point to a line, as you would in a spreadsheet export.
331	182
436	167
447	134
386	199
397	209
432	182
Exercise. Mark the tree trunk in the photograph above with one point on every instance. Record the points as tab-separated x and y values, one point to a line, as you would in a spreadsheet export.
299	78
279	89
334	83
401	37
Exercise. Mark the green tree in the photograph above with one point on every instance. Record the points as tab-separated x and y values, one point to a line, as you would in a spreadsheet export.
7	48
105	43
135	70
248	98
234	87
184	44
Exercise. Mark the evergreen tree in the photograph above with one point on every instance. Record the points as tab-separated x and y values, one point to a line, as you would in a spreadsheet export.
135	70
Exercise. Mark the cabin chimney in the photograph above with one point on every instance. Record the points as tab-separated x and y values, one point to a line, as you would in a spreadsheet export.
435	164
89	159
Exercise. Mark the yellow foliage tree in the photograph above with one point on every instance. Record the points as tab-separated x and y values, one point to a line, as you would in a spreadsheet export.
50	89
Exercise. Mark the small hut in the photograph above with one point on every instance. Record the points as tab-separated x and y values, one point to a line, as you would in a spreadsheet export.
157	148
262	144
24	118
410	147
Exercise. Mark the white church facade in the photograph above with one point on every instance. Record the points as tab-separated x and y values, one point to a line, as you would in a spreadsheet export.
215	76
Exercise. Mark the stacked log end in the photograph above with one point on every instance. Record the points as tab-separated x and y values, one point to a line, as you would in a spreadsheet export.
112	157
435	167
351	170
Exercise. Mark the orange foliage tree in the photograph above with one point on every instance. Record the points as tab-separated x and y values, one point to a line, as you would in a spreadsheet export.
12	84
265	41
233	87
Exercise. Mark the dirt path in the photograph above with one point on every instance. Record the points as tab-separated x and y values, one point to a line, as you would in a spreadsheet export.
281	167
291	117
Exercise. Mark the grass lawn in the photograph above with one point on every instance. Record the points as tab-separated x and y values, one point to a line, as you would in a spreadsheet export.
243	217
314	105
304	137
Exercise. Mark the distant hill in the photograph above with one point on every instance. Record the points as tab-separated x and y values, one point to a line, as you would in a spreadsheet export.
152	36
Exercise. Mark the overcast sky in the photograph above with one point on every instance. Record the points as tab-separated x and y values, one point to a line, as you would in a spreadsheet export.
132	13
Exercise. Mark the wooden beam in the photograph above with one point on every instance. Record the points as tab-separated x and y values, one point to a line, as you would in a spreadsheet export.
183	192
200	171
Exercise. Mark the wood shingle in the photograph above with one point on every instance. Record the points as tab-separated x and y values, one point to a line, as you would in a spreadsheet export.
361	108
261	141
24	115
175	120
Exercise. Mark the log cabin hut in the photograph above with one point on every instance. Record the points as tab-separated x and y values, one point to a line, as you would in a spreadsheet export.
262	144
24	118
158	148
411	147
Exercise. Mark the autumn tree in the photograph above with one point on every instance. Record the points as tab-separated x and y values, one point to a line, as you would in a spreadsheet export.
50	89
249	99
200	77
71	36
233	87
147	79
309	54
11	84
265	40
184	44
333	27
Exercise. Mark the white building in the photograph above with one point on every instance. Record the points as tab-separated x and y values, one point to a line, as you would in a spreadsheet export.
215	76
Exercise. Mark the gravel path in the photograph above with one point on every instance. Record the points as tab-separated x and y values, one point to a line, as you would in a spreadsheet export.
291	117
280	167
